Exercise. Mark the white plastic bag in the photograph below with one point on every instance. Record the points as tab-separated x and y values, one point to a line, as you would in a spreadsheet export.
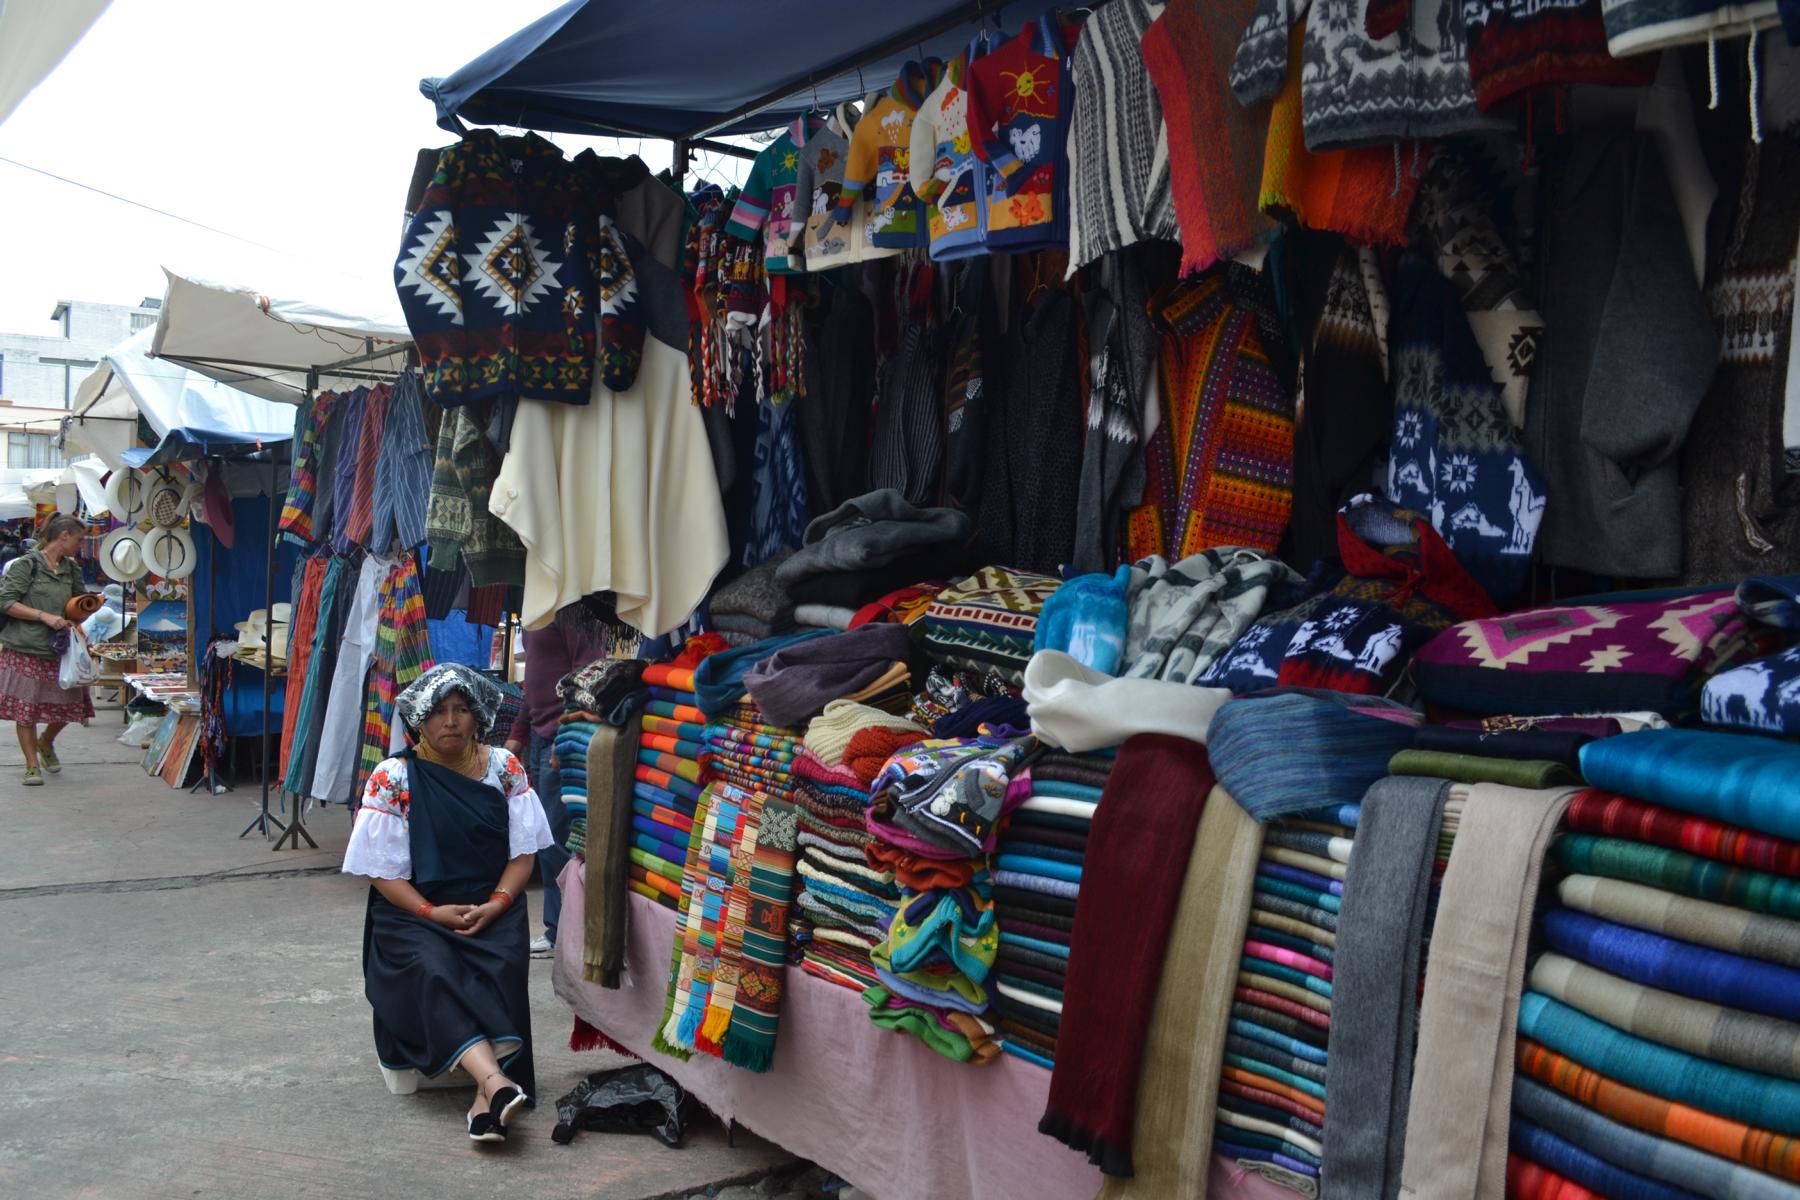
78	669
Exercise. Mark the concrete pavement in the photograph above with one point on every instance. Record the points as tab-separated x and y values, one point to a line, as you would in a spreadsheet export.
183	1017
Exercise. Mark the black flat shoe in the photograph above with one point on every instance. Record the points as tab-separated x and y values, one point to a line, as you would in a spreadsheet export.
484	1128
505	1106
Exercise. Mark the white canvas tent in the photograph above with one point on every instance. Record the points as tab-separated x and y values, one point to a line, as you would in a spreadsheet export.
266	339
34	37
191	413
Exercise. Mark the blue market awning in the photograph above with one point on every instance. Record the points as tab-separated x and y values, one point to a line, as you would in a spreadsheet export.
649	68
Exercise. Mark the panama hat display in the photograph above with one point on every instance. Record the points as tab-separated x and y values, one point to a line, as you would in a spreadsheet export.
165	505
255	634
169	553
122	556
127	495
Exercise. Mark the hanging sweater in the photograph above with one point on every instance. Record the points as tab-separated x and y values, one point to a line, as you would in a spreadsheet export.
1215	144
879	154
1741	510
1453	224
1367	81
1514	47
1455	453
494	278
620	495
768	205
1019	104
1639	26
1627	352
1119	189
825	242
1220	465
946	175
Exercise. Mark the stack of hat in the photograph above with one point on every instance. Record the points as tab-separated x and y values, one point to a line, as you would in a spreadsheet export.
845	903
935	810
667	785
261	639
1036	880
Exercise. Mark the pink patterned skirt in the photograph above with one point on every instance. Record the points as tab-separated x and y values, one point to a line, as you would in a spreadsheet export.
29	693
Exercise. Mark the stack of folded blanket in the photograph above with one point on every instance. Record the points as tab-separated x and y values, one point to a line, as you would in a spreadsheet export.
753	606
571	750
988	621
1272	1085
1037	877
743	749
845	903
1659	1038
935	810
667	784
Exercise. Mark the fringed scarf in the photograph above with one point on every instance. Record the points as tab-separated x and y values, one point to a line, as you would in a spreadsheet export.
756	1015
686	950
402	654
708	882
710	1039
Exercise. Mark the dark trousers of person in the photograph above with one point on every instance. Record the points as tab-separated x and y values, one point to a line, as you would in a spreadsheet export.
541	767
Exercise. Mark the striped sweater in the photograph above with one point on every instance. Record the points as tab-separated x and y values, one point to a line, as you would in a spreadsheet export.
1119	189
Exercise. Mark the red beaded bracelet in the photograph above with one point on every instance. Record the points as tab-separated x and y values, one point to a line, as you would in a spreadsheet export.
503	896
424	910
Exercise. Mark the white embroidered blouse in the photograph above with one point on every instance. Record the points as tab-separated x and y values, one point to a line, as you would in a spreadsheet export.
380	845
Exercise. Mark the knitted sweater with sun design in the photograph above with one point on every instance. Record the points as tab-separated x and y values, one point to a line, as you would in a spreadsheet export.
495	275
1019	107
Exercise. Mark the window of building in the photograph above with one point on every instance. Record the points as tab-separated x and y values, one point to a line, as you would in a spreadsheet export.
142	321
2	374
29	451
74	370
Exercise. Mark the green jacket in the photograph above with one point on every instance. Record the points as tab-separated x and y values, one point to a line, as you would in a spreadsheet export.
29	580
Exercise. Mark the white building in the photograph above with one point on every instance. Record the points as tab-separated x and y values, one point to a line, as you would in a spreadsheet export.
40	372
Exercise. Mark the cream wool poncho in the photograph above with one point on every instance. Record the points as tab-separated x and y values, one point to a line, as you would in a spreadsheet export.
619	494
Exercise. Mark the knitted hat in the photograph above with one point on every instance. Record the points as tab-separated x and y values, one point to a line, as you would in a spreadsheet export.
829	734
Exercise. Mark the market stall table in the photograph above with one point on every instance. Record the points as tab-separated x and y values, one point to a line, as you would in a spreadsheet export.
876	1107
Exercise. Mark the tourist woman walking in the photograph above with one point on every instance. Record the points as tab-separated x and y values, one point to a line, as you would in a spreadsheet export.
35	591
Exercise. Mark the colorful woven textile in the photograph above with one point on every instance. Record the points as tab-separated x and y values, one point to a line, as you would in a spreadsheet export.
1659	962
303	477
1702	878
685	954
723	997
402	654
1620	657
307	594
1700	922
1526	1180
1539	1145
1743	780
755	1018
1595	811
1221	464
1728	1091
1774	1153
334	596
1361	194
990	616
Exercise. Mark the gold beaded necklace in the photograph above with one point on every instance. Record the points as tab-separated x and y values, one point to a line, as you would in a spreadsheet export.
472	762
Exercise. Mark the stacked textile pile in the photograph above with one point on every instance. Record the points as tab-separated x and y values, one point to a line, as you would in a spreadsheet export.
1272	1087
754	606
729	957
845	903
1037	877
988	621
745	750
668	783
571	750
935	810
1659	1038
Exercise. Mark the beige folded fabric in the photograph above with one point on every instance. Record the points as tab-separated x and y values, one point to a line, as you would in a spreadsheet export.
1721	926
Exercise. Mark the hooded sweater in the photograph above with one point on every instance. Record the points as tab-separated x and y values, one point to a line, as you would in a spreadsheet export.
1639	26
1627	351
1019	103
1515	47
879	153
947	176
769	204
1376	73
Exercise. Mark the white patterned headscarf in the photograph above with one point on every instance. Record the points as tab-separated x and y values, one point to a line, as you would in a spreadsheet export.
428	691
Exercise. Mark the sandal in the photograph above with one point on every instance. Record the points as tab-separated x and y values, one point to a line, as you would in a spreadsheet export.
483	1128
47	758
505	1105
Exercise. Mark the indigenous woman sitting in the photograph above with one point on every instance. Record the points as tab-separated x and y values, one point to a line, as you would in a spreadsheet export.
447	835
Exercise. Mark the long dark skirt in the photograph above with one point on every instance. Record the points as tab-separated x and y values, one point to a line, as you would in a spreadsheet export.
436	992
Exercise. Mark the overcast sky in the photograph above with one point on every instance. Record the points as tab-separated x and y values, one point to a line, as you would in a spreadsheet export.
292	125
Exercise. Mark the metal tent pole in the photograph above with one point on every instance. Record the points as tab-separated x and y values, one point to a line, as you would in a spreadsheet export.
265	818
296	830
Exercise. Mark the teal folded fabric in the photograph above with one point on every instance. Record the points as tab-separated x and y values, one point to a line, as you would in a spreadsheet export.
1311	1087
1026	864
1065	791
1736	778
1281	1041
1031	943
1713	1087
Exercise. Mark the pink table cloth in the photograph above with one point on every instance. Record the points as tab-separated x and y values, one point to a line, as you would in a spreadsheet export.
876	1107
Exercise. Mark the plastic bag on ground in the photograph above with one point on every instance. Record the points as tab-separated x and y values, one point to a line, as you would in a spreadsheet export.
634	1099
